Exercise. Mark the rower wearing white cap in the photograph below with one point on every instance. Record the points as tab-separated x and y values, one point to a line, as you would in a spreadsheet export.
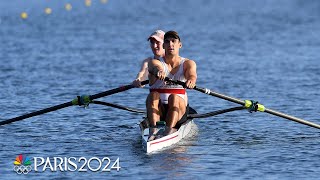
156	45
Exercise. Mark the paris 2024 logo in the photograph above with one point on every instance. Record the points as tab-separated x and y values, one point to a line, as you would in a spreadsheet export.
22	164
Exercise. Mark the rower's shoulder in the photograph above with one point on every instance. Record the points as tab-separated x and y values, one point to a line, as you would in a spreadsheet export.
154	61
148	59
189	61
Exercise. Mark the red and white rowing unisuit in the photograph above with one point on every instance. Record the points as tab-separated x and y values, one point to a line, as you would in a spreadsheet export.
165	88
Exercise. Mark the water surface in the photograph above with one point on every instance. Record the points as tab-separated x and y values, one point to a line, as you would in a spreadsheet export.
267	51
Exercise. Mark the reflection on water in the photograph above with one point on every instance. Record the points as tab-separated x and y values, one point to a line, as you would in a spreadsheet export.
175	157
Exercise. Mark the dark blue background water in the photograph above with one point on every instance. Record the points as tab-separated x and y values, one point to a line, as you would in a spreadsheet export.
262	50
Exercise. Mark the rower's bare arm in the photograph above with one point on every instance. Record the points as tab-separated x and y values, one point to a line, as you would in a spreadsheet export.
154	68
190	73
143	73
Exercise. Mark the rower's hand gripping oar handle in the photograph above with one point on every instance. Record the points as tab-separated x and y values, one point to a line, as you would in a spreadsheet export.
249	104
175	81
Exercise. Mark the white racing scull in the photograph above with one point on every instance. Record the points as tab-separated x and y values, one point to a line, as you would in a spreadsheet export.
165	141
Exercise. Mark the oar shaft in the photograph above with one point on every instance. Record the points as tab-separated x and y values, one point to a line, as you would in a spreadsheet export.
208	91
214	113
286	116
35	113
270	111
119	106
241	102
222	96
67	104
116	90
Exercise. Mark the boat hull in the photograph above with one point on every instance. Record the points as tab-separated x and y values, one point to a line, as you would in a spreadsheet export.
165	141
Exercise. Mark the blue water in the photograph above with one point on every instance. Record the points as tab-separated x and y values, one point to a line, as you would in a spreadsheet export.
262	50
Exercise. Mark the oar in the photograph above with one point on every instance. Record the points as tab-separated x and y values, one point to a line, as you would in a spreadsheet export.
214	113
191	115
80	100
248	104
119	106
